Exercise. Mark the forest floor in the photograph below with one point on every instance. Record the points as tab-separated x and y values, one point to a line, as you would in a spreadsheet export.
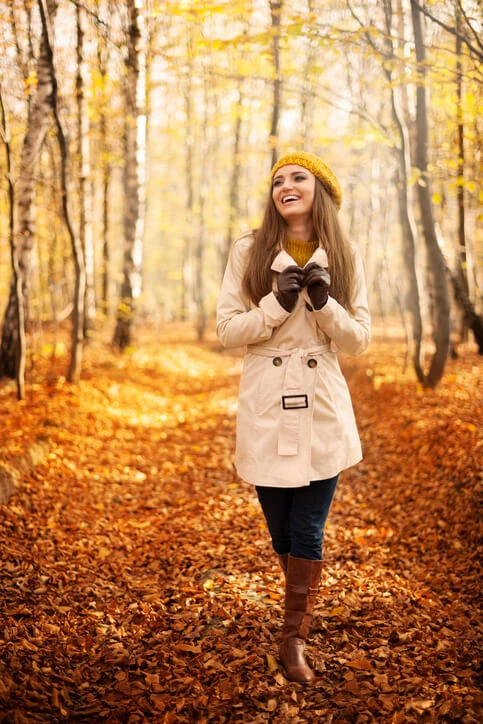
137	582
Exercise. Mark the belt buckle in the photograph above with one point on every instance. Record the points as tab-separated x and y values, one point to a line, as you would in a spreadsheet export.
295	402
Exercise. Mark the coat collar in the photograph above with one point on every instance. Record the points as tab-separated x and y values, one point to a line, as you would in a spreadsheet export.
283	259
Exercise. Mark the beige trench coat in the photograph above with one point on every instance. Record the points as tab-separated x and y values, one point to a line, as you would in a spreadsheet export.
295	421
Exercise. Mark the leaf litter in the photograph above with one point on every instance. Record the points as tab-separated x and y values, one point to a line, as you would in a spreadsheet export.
137	579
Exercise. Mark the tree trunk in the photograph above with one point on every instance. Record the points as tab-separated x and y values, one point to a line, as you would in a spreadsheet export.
469	319
406	202
461	158
473	320
20	323
233	201
85	195
37	123
102	61
199	289
106	182
462	299
134	176
75	362
276	13
185	291
437	271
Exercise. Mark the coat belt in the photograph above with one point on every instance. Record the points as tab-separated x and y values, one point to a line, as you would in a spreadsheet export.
296	400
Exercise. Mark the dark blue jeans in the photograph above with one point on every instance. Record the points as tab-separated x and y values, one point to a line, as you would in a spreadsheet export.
296	517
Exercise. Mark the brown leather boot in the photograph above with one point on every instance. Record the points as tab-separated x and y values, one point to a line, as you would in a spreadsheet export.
302	585
283	560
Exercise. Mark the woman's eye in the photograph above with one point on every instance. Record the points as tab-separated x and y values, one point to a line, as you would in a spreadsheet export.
300	177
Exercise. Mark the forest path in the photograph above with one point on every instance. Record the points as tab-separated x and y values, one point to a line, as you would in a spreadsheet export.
138	583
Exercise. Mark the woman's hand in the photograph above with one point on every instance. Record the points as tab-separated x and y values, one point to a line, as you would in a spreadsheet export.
317	281
289	283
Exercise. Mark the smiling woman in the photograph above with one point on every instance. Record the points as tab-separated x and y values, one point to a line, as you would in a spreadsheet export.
293	293
293	189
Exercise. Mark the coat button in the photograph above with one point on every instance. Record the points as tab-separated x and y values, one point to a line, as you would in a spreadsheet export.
312	363
277	361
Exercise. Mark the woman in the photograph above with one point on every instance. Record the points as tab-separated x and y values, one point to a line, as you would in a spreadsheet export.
293	293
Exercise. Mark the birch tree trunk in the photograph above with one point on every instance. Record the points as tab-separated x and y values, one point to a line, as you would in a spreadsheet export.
102	62
106	184
73	372
461	159
85	195
38	119
233	200
406	201
199	286
134	174
437	270
276	13
185	291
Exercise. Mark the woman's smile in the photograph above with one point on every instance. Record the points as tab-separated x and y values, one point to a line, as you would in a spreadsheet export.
290	198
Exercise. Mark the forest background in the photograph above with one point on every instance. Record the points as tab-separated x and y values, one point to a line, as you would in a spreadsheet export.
138	139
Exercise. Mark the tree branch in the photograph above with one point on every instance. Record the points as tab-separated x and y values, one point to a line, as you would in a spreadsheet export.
453	31
473	31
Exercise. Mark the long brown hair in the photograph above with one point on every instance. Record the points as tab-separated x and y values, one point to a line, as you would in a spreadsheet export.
269	237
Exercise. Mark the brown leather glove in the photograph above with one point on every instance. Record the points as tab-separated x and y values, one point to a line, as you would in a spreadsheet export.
289	284
317	281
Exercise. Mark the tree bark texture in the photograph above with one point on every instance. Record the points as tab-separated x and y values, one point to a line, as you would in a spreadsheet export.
102	61
406	202
233	208
85	196
468	317
20	322
38	119
199	289
134	178
437	270
185	292
75	362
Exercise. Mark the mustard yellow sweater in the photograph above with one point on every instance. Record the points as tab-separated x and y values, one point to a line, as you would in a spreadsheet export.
300	251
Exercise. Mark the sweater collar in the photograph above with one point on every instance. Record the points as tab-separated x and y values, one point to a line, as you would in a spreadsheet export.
283	259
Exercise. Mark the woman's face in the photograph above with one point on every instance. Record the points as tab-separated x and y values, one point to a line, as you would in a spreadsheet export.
293	190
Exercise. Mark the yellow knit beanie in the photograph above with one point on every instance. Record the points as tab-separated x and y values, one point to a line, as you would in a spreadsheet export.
314	164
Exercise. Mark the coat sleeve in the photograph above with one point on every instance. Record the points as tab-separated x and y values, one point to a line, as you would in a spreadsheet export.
238	322
351	333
